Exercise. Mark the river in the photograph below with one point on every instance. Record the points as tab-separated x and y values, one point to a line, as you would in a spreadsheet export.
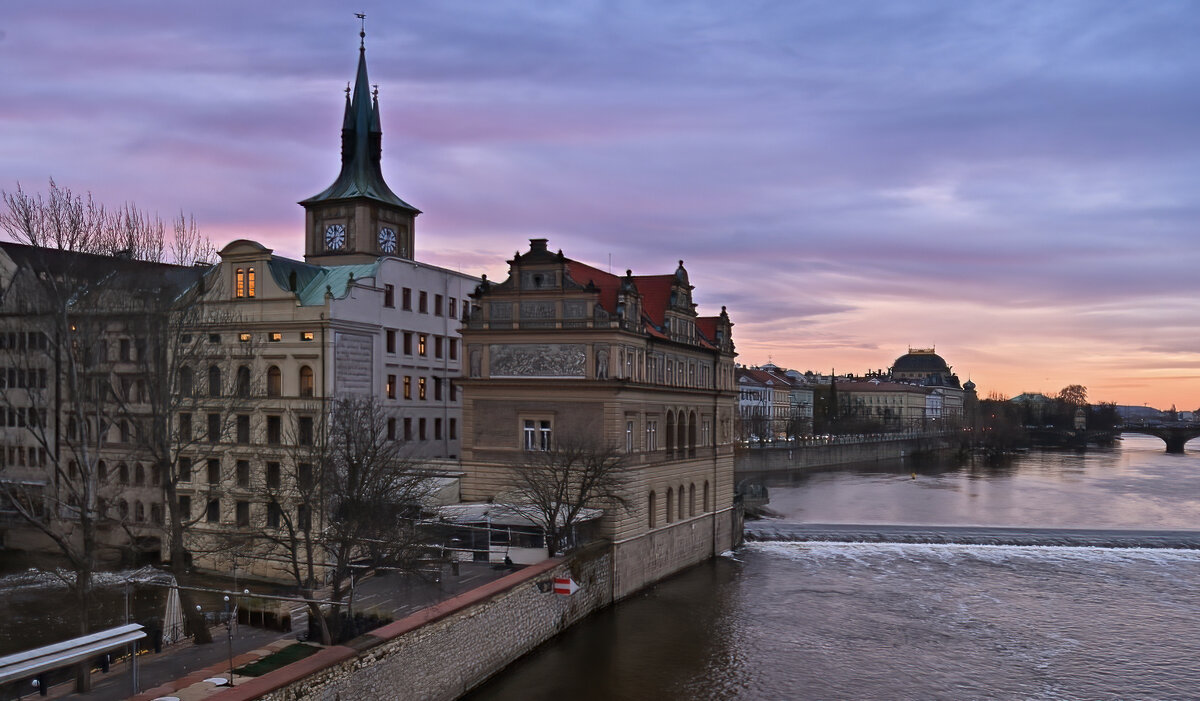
911	621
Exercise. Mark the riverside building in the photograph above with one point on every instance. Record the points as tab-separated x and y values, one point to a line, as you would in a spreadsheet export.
561	351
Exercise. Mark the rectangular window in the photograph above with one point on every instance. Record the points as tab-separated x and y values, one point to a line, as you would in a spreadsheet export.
406	299
244	337
628	436
306	335
303	518
305	430
185	427
214	471
214	428
437	429
407	387
274	515
391	387
243	513
274	430
437	389
453	390
389	296
437	346
407	429
537	434
273	475
243	429
453	348
275	337
437	305
451	305
651	435
423	302
243	473
125	352
239	283
421	428
185	508
420	388
422	342
185	469
304	475
391	428
408	342
213	513
390	340
453	429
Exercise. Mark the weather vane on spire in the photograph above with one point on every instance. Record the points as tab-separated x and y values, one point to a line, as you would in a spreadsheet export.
362	29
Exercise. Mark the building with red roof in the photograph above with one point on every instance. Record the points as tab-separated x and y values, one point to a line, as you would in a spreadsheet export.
564	352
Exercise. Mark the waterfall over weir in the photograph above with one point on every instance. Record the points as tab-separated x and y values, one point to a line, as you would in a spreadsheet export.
770	530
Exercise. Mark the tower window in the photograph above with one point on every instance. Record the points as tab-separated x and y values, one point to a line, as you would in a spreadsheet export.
243	282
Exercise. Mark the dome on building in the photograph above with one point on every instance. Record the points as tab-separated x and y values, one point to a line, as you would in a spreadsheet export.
922	361
969	386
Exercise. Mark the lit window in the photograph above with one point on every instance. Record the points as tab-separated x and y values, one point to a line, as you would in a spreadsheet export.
391	386
407	387
250	282
275	337
422	341
420	387
239	283
244	337
306	335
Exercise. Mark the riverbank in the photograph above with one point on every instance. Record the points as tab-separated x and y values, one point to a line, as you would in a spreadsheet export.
838	450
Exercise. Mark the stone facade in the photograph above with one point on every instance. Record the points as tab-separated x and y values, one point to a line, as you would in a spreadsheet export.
564	352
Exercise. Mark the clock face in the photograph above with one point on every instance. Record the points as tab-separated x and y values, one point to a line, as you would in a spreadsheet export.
387	240
335	237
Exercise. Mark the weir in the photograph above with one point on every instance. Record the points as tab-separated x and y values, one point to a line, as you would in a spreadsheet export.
767	530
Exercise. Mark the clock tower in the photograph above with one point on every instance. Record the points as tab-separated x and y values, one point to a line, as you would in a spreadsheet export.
358	218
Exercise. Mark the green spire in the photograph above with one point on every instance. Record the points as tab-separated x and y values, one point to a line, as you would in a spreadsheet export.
362	150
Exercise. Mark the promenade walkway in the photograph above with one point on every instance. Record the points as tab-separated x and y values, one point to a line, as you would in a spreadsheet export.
180	670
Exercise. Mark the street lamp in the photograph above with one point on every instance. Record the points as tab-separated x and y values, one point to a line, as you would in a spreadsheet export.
229	637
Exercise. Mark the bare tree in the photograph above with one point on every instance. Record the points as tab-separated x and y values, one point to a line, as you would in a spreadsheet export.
556	487
348	502
89	287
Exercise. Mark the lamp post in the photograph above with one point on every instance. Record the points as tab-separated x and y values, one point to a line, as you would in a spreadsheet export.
229	637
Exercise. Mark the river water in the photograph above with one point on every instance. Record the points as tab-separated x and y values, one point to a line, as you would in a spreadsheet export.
905	621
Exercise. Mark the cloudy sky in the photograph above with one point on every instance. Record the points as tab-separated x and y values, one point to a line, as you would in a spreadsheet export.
1013	182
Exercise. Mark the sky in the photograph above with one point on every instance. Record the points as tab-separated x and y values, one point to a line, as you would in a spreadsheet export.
1013	183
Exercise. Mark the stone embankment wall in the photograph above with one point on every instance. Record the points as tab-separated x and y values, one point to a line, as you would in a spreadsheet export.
445	650
836	452
647	558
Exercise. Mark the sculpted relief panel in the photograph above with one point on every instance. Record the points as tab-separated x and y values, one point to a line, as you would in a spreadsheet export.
537	360
352	363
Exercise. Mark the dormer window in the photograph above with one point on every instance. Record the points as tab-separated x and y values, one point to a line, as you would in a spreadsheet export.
243	283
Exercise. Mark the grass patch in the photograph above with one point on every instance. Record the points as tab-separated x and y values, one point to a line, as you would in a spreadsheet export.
284	657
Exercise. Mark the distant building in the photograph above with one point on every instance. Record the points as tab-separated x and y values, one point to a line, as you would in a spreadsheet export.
773	403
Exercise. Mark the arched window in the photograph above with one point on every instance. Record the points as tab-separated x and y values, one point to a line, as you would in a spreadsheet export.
155	475
306	381
239	283
122	508
250	282
670	436
691	435
243	381
185	381
139	512
652	508
692	499
122	473
214	381
274	382
705	503
670	500
139	475
156	514
682	498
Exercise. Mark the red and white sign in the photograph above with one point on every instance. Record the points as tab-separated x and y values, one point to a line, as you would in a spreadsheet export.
565	586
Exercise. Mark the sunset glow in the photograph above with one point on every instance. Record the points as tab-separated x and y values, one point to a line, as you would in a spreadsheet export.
1011	182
